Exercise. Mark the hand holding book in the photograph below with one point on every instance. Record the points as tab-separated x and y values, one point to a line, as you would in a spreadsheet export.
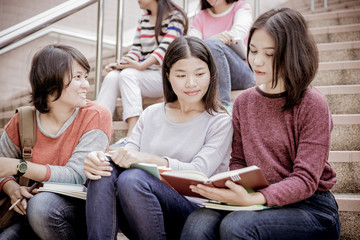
251	178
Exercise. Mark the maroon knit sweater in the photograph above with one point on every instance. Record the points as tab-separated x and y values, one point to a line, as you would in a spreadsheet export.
291	147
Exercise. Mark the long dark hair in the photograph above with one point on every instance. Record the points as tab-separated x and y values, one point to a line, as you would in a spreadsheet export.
184	47
295	57
204	3
48	70
165	7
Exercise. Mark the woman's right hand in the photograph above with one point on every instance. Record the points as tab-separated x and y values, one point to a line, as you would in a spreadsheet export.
15	192
96	166
111	66
225	37
117	65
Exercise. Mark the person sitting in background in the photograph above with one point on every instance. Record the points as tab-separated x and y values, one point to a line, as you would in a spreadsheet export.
189	131
284	127
222	23
68	128
138	74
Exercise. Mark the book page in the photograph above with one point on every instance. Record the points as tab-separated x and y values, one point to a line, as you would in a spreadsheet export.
193	175
232	173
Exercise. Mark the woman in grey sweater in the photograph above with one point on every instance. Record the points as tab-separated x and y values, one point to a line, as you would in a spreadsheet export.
189	131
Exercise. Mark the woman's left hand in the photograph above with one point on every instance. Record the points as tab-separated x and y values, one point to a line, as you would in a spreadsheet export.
236	194
96	166
125	157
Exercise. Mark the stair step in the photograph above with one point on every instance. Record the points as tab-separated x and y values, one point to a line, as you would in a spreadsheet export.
346	165
339	51
346	132
332	6
344	156
342	99
349	213
340	17
338	73
343	33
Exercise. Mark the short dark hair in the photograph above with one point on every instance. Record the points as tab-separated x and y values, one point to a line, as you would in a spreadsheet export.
48	69
295	57
184	47
205	4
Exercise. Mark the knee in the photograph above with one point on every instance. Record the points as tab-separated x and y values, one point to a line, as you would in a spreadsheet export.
110	79
132	181
201	224
104	183
39	211
214	44
127	75
239	224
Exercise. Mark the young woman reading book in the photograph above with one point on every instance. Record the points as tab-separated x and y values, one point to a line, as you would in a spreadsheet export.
68	128
283	126
189	131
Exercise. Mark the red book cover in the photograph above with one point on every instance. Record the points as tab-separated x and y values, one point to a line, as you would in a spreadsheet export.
250	178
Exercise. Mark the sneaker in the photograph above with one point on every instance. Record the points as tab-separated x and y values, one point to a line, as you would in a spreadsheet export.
121	143
229	109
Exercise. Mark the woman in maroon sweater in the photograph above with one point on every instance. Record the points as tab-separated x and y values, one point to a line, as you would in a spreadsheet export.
283	126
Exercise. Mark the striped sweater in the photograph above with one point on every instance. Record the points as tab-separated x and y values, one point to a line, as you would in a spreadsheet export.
145	45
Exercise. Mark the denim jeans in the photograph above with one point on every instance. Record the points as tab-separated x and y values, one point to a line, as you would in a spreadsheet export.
313	218
141	205
233	72
54	216
19	230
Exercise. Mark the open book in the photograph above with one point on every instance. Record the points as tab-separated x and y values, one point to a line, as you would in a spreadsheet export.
68	189
153	169
232	207
250	178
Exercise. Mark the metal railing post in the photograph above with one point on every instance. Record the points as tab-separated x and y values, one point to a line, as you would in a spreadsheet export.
100	24
312	5
186	6
325	3
257	9
119	29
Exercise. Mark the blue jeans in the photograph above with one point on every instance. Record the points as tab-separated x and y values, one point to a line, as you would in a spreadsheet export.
54	216
19	230
313	218
141	205
233	72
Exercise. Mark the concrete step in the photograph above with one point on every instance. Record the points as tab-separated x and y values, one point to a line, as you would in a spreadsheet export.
339	51
349	212
304	6
346	132
333	18
347	166
342	99
332	6
341	33
338	73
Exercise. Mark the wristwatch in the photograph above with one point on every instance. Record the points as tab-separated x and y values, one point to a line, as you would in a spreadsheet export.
22	167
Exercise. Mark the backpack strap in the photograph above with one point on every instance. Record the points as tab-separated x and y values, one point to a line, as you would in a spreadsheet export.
27	130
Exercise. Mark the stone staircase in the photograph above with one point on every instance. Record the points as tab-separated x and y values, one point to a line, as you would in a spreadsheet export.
336	30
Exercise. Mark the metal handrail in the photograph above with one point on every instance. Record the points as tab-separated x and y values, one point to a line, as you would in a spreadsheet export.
33	25
42	20
313	4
